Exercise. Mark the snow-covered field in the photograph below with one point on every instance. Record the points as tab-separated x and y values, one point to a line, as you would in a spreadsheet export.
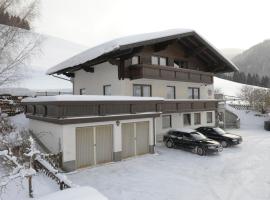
240	172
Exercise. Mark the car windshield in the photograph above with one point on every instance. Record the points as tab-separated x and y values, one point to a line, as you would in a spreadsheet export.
219	131
197	136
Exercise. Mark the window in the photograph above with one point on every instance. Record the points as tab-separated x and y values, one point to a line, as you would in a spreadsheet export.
135	60
155	60
210	92
107	90
197	118
163	61
209	117
166	121
180	64
82	91
194	93
170	92
142	90
187	119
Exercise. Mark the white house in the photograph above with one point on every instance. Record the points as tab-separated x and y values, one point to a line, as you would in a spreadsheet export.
127	93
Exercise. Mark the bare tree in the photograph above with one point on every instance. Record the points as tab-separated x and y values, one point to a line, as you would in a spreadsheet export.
17	45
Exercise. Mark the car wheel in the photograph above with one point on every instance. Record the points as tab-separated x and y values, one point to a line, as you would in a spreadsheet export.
200	151
169	144
224	144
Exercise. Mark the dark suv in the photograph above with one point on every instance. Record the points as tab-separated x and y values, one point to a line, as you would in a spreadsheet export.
191	140
218	134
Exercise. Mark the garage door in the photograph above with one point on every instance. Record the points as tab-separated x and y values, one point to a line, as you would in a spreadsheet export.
142	138
84	147
94	145
135	139
128	140
104	144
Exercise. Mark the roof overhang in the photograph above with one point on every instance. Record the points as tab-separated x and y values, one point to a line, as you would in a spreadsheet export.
116	48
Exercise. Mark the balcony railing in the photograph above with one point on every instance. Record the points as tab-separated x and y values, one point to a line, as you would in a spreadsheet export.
64	112
168	73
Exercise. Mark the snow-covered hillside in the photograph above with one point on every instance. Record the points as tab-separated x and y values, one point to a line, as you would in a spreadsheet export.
229	88
52	51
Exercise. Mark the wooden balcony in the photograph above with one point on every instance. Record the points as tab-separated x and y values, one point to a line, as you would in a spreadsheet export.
68	112
167	73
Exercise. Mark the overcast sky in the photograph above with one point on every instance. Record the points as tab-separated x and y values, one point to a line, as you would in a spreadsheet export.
225	23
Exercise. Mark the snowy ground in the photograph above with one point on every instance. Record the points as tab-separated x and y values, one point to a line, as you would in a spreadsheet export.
240	172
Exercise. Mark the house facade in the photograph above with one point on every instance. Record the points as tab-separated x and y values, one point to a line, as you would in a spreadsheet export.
150	83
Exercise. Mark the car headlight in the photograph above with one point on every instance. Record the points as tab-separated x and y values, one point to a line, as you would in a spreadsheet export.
234	140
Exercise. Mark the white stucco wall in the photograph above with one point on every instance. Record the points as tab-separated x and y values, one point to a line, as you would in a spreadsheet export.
107	74
48	133
178	122
104	74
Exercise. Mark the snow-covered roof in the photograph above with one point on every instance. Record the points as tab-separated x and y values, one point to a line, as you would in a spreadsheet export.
77	193
120	43
90	98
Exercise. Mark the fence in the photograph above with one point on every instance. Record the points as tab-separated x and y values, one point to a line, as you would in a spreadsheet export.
44	166
48	93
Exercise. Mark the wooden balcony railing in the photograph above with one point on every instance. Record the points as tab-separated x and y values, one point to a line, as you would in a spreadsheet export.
168	73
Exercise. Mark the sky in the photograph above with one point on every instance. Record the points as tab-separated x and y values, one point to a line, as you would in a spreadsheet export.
224	23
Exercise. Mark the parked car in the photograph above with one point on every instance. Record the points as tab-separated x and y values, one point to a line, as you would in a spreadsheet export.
218	134
191	140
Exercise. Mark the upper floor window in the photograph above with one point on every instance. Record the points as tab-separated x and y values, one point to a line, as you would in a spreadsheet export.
142	90
135	60
170	92
82	91
180	64
158	60
107	90
194	93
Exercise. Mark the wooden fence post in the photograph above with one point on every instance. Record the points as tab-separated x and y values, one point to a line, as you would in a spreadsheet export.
30	186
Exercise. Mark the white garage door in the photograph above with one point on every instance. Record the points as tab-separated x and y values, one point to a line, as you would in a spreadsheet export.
135	139
94	145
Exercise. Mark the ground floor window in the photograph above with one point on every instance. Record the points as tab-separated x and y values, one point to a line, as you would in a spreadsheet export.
197	118
209	117
166	121
187	119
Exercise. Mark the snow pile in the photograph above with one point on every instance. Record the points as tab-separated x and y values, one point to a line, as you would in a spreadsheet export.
90	98
78	193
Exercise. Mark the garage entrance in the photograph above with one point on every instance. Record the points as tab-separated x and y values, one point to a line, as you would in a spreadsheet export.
94	145
135	139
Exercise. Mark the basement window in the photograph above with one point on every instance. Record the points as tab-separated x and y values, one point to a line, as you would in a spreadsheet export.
187	119
166	121
209	117
197	118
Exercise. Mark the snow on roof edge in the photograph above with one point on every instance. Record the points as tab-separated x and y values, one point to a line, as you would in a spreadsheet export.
89	98
112	45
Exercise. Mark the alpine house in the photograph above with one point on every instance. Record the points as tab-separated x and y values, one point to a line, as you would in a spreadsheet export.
127	93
